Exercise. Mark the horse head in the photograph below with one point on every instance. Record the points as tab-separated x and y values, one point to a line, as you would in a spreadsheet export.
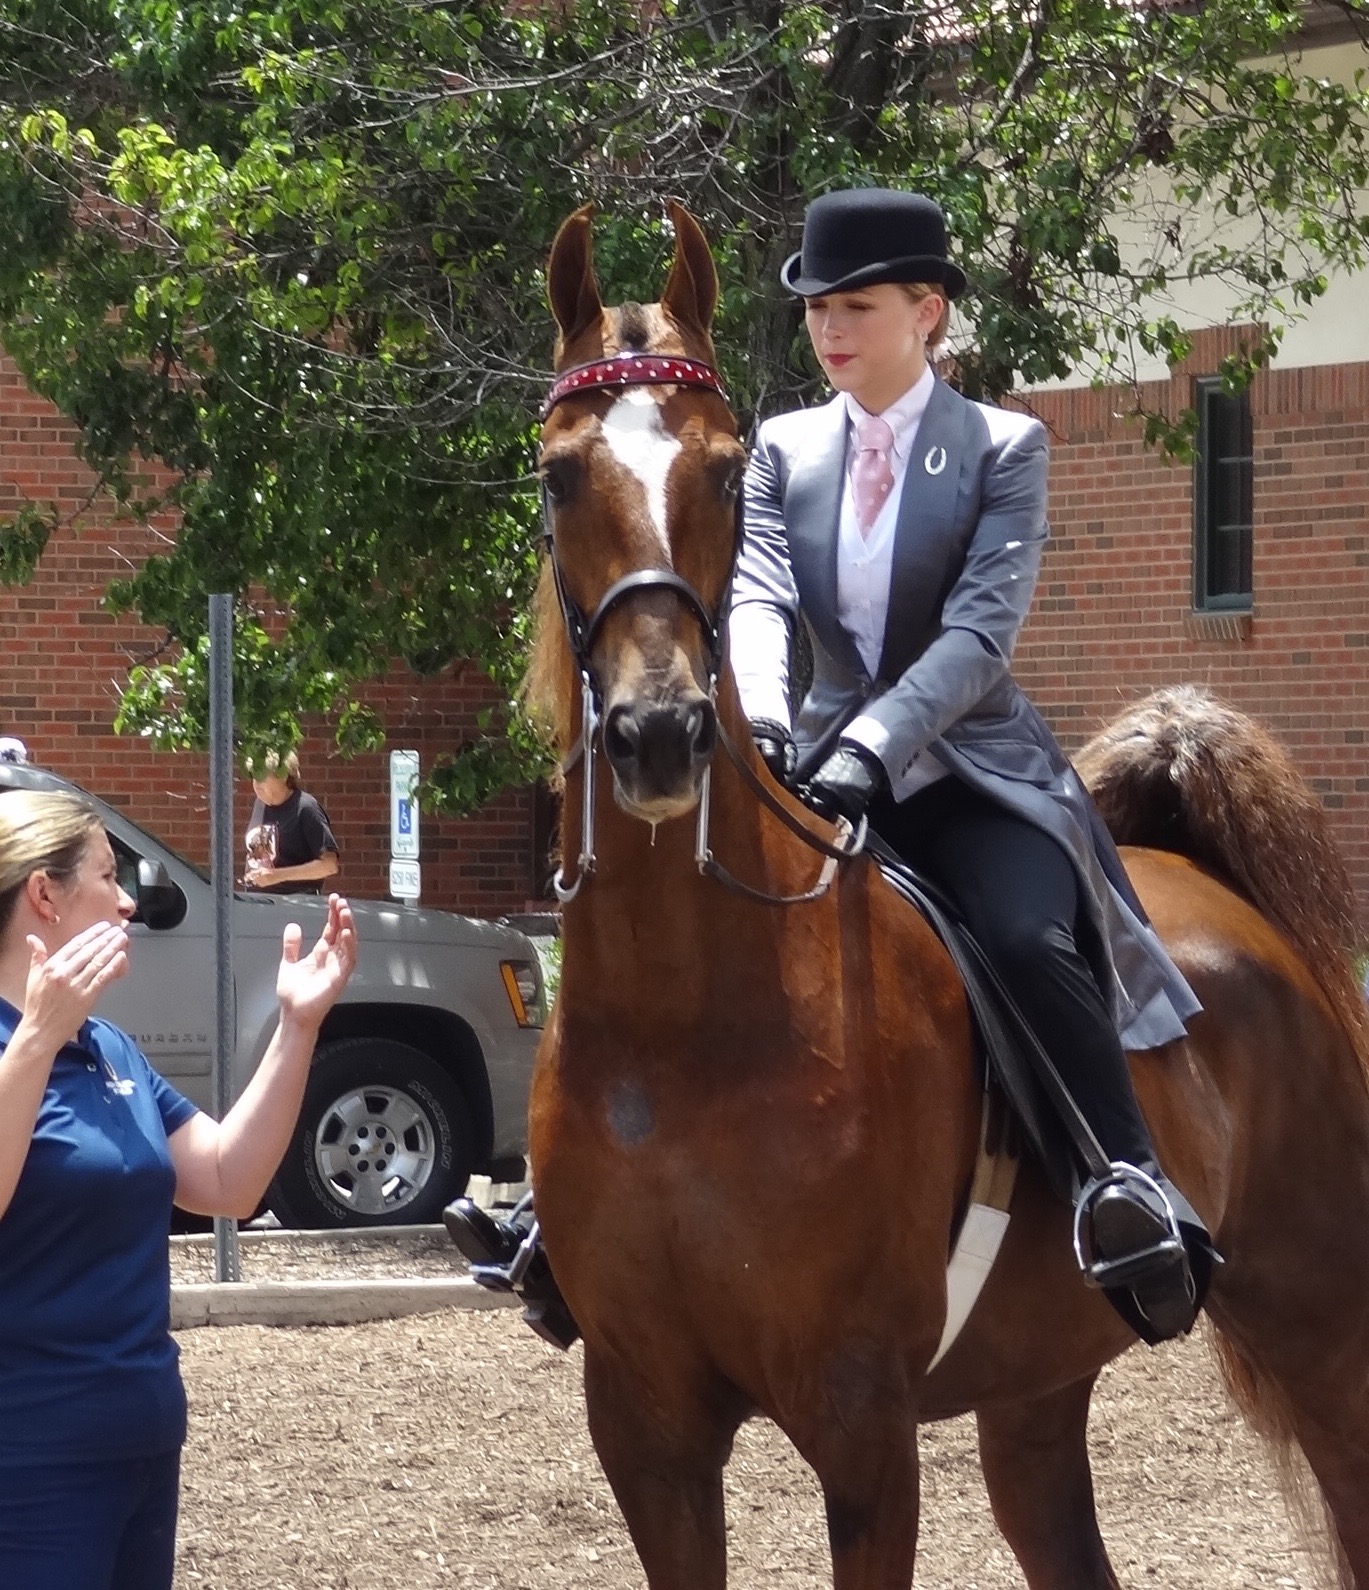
641	471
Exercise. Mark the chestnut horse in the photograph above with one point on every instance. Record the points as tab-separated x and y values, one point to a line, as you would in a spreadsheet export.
753	1125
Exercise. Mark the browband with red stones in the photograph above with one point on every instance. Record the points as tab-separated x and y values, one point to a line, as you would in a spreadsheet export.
633	369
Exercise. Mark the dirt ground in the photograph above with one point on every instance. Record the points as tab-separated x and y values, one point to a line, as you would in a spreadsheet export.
450	1450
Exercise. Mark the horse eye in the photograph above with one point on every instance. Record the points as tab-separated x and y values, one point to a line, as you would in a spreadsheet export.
558	479
731	484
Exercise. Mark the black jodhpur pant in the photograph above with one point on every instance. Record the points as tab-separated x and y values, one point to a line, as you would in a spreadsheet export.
1021	898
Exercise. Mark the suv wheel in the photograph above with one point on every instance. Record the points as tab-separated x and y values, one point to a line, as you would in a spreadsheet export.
384	1139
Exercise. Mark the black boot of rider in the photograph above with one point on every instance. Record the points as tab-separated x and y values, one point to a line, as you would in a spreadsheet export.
491	1246
1142	1242
1141	1239
483	1239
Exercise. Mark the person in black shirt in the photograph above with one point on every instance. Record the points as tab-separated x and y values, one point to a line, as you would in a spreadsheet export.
290	847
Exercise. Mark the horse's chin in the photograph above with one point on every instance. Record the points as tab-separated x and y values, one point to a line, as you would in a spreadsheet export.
655	808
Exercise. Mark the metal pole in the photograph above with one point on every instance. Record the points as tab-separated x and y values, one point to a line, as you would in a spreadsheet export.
226	1263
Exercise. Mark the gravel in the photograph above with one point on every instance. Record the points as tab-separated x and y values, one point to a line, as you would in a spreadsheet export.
450	1450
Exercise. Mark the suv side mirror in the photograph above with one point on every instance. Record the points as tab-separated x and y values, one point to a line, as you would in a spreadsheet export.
160	903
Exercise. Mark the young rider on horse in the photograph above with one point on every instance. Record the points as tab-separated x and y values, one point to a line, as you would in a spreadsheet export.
904	526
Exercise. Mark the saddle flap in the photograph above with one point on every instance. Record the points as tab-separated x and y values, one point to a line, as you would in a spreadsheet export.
1055	1130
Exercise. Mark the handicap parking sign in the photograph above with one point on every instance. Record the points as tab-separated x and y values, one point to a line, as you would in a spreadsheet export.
404	816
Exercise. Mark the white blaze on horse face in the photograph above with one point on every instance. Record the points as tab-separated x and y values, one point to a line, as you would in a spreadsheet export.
642	445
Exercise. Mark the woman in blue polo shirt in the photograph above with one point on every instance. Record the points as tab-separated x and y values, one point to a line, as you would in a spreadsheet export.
95	1150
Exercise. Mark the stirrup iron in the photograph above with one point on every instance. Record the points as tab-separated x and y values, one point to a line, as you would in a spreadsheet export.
523	1272
508	1277
1146	1263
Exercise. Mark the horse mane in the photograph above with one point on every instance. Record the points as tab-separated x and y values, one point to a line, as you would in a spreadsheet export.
548	688
633	327
1182	770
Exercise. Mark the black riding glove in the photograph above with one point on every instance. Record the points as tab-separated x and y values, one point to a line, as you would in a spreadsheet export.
776	746
846	783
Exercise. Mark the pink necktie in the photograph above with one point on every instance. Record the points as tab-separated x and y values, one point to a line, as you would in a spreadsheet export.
872	478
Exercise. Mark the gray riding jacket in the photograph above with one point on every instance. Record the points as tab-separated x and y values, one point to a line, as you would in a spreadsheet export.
969	535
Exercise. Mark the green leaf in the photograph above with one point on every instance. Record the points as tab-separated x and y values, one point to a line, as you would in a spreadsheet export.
280	266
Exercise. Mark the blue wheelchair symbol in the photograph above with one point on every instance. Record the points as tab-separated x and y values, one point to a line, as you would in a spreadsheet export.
406	822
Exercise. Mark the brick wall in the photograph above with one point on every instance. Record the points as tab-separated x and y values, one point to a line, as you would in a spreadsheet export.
64	659
1113	618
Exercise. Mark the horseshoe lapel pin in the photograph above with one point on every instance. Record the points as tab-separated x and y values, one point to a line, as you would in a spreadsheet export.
935	460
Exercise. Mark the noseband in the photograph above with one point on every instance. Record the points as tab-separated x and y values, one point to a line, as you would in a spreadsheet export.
609	374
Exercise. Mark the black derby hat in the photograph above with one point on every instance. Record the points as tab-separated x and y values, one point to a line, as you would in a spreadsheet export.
859	237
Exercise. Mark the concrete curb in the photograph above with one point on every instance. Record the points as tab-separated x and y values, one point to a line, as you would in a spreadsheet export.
356	1302
269	1235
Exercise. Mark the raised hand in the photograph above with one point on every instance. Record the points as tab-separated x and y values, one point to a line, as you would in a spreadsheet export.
64	984
308	985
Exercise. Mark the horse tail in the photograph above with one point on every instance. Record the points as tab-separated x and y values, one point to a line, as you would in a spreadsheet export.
1269	1414
1181	770
1186	772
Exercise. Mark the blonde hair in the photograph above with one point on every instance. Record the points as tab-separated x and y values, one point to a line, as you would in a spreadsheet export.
274	765
40	831
917	291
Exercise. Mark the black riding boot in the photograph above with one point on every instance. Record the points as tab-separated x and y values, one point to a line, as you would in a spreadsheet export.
1137	1236
508	1256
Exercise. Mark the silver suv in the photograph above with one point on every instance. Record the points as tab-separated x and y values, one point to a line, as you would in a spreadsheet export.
421	1074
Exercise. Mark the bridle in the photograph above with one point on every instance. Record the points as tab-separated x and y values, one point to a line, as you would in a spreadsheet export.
621	370
624	369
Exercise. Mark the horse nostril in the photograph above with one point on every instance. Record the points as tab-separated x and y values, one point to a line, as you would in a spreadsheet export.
659	744
622	735
702	727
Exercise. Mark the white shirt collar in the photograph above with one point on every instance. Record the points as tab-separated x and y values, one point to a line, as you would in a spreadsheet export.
902	416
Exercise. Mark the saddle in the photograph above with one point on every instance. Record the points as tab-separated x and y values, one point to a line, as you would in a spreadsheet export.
1020	1082
1015	1061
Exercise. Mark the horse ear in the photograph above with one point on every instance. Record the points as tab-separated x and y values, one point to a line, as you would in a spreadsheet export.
572	291
691	292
